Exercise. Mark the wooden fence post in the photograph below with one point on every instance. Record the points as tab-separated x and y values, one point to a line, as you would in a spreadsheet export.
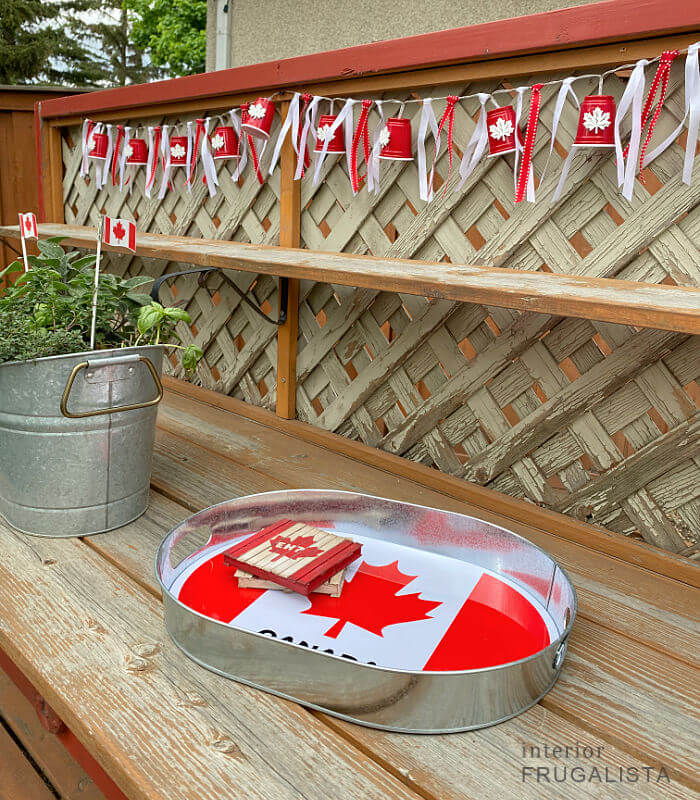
290	219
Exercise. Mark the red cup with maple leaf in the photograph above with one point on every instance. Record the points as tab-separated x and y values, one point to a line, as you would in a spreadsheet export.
596	123
395	139
178	151
500	123
98	146
224	142
136	152
323	132
257	118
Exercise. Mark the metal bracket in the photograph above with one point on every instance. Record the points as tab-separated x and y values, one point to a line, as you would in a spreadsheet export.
201	280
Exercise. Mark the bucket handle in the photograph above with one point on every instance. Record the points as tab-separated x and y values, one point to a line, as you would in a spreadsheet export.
98	412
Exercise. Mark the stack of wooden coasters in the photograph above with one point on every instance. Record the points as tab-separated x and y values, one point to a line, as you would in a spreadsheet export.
293	556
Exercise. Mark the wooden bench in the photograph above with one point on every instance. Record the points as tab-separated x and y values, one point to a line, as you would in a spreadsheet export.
82	621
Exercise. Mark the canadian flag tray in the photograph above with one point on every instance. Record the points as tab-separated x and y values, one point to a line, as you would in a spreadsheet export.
444	622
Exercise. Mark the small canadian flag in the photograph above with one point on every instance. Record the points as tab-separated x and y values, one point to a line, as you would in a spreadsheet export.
120	233
28	226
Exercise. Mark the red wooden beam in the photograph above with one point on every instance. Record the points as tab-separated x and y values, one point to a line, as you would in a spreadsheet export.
580	26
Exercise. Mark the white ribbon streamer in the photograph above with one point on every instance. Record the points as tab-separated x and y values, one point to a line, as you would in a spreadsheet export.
631	100
427	120
102	172
208	161
84	164
167	158
477	144
309	129
691	113
242	151
343	118
290	121
564	91
373	165
188	160
122	159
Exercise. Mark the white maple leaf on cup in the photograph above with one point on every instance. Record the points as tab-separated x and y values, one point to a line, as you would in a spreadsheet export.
501	129
596	120
129	150
323	133
384	137
256	111
217	142
177	151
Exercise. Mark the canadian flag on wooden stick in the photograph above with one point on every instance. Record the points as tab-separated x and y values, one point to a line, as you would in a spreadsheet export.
120	233
28	227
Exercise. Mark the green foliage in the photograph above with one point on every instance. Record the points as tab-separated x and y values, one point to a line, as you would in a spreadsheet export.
173	32
70	42
48	310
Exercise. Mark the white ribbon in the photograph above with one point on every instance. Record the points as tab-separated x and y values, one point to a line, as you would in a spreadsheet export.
373	165
149	161
167	166
208	161
631	99
427	120
102	173
189	183
85	164
290	121
477	144
564	91
309	128
122	159
691	113
530	189
343	118
242	151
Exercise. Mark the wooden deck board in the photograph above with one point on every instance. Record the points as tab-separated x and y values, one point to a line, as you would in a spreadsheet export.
161	726
628	684
441	770
610	300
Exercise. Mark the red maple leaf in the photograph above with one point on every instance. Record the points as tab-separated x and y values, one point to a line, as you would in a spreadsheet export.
118	231
370	601
301	547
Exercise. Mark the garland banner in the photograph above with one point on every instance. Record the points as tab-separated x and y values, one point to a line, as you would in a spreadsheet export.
498	131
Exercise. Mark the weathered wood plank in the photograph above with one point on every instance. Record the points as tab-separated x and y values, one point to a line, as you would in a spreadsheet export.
645	305
221	736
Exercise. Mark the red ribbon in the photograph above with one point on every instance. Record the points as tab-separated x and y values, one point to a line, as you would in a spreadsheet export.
195	149
361	131
115	154
251	146
307	159
154	160
532	120
448	117
663	73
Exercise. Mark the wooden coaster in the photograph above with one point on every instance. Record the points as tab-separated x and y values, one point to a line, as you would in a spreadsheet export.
333	586
294	555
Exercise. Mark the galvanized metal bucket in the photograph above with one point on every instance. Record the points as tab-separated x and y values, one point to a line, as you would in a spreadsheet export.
76	439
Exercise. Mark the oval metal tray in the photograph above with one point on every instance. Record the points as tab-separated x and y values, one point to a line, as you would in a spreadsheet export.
422	698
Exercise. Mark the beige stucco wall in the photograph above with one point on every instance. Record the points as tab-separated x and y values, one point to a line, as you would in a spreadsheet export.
264	30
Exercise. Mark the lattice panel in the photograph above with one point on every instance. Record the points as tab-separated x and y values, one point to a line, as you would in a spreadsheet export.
240	349
596	420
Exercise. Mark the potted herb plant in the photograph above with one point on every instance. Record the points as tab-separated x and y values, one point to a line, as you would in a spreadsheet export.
77	425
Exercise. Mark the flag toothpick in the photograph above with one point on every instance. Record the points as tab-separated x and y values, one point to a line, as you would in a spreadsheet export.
27	230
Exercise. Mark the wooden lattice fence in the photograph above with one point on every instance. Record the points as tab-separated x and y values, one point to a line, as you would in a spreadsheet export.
597	420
